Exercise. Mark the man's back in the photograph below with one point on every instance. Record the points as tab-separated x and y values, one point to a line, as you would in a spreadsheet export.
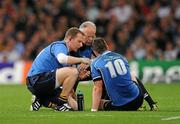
46	60
114	70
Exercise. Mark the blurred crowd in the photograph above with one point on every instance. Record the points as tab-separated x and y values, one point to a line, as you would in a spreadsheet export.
138	29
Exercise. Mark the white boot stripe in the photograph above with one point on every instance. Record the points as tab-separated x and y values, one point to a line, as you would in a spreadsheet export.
38	103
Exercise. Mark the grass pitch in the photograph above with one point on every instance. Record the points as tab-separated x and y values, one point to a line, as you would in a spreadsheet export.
15	101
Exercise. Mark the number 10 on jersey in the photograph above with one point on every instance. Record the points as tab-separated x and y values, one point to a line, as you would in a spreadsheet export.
116	67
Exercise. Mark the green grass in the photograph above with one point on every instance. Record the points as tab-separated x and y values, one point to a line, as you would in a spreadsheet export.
15	101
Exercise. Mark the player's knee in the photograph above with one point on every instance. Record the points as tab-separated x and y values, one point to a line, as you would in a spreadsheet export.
74	72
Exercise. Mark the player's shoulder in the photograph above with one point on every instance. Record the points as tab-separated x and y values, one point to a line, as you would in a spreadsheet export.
58	44
93	61
96	61
119	55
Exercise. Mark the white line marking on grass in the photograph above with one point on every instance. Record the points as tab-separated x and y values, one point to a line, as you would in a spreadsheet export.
88	115
46	115
171	118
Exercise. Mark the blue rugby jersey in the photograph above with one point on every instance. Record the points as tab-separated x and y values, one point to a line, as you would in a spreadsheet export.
84	51
113	69
46	60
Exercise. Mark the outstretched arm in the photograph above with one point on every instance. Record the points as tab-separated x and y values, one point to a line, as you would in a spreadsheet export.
65	59
96	95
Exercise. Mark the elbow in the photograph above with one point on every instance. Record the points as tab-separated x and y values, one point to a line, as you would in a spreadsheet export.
62	58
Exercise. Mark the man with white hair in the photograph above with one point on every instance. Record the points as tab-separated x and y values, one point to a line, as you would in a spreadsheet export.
89	30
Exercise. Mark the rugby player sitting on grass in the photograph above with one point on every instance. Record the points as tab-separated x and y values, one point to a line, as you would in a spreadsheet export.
111	70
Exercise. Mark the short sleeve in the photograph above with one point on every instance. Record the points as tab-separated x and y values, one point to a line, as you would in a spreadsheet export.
59	48
95	73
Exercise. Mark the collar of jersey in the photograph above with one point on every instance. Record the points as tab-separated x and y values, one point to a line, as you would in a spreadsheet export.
106	52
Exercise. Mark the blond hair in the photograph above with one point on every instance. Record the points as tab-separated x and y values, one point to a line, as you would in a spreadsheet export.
73	32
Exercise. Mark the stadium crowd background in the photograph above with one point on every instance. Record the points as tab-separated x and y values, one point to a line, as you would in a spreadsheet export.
138	29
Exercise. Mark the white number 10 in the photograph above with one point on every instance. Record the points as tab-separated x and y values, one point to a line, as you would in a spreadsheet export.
116	68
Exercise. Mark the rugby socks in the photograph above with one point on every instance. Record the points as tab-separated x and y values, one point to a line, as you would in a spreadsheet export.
147	96
63	98
55	101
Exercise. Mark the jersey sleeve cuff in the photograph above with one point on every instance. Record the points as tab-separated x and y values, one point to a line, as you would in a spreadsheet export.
97	78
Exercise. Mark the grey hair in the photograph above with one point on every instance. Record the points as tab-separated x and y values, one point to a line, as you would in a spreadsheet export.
87	24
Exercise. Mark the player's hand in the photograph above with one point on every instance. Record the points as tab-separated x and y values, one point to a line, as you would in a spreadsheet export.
83	74
82	67
84	71
86	60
